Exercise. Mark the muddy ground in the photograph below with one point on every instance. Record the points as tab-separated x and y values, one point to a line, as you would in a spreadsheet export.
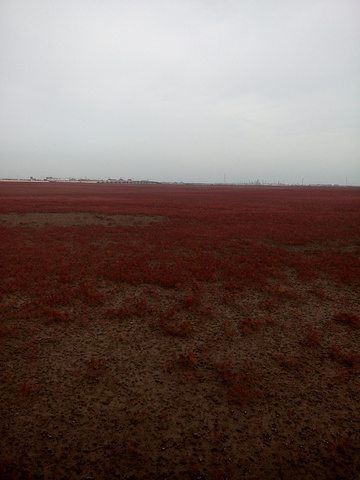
243	385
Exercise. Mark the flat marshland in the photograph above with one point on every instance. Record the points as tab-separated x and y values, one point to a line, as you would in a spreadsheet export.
180	332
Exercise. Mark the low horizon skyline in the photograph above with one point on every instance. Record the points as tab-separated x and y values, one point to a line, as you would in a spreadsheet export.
125	180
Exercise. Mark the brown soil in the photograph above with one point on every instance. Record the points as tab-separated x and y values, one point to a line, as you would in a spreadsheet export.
252	390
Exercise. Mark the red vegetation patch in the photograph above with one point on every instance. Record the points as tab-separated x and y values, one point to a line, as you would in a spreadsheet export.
347	319
179	331
349	358
312	336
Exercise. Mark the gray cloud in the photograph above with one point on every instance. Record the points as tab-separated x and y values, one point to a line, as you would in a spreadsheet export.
181	90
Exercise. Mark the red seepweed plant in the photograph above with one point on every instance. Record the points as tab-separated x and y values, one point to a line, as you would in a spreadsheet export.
181	360
96	367
26	388
347	319
312	336
349	358
248	325
182	329
241	384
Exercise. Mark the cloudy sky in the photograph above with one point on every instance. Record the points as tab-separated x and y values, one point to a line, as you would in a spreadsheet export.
181	90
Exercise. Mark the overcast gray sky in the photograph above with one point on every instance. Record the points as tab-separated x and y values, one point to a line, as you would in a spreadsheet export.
181	90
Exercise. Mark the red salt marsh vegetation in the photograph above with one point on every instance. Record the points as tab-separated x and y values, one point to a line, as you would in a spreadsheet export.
179	332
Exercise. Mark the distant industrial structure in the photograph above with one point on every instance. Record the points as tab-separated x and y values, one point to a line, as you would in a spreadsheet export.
128	181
